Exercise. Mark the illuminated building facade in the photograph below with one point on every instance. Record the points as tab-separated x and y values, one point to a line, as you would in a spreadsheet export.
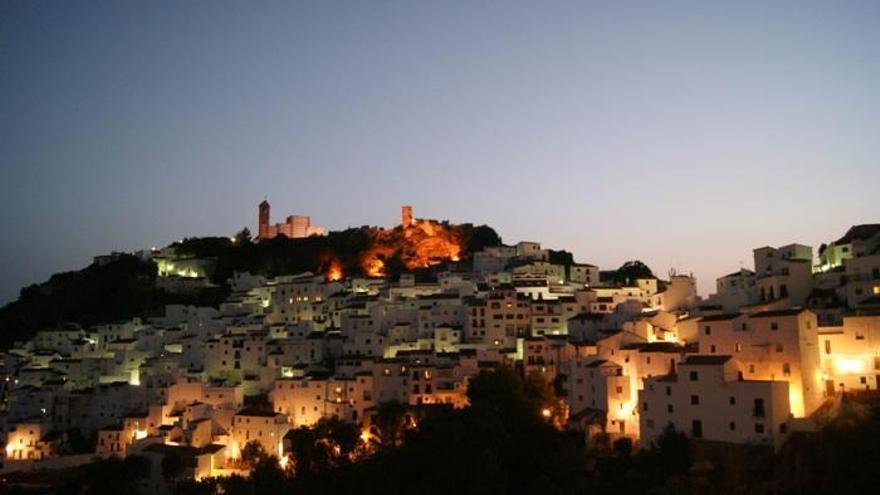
296	226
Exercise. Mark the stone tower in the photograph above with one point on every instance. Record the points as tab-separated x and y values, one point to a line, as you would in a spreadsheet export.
406	214
263	225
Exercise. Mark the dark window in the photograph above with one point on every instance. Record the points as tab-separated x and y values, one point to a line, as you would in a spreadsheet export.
693	375
695	400
697	428
759	408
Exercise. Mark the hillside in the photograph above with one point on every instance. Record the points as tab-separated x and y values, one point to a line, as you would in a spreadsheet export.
126	286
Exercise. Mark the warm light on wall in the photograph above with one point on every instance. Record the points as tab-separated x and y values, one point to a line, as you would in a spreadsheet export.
625	411
795	400
232	450
848	365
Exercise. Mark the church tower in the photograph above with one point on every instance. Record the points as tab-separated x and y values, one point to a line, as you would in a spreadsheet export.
263	225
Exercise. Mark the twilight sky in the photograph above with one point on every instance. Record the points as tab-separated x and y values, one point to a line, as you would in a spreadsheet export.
680	133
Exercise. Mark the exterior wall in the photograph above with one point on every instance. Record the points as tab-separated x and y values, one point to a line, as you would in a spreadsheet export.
735	290
850	355
784	273
305	401
862	279
507	317
584	274
547	318
295	227
112	441
266	430
709	402
233	356
680	293
780	345
527	249
588	383
23	442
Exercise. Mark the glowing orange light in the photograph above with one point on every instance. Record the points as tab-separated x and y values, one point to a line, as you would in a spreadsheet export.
335	272
422	244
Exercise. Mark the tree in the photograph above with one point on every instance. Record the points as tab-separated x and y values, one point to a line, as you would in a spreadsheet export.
623	447
560	257
112	476
173	464
253	453
389	421
243	237
329	444
630	271
671	448
137	466
341	436
267	476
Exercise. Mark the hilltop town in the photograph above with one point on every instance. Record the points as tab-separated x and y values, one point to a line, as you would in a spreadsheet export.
411	318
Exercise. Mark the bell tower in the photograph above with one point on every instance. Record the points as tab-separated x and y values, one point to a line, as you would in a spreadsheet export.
263	221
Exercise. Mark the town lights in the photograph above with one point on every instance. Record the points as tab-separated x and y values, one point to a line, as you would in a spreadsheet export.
546	412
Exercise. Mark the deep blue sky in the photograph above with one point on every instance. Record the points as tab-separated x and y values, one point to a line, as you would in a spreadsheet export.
680	133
